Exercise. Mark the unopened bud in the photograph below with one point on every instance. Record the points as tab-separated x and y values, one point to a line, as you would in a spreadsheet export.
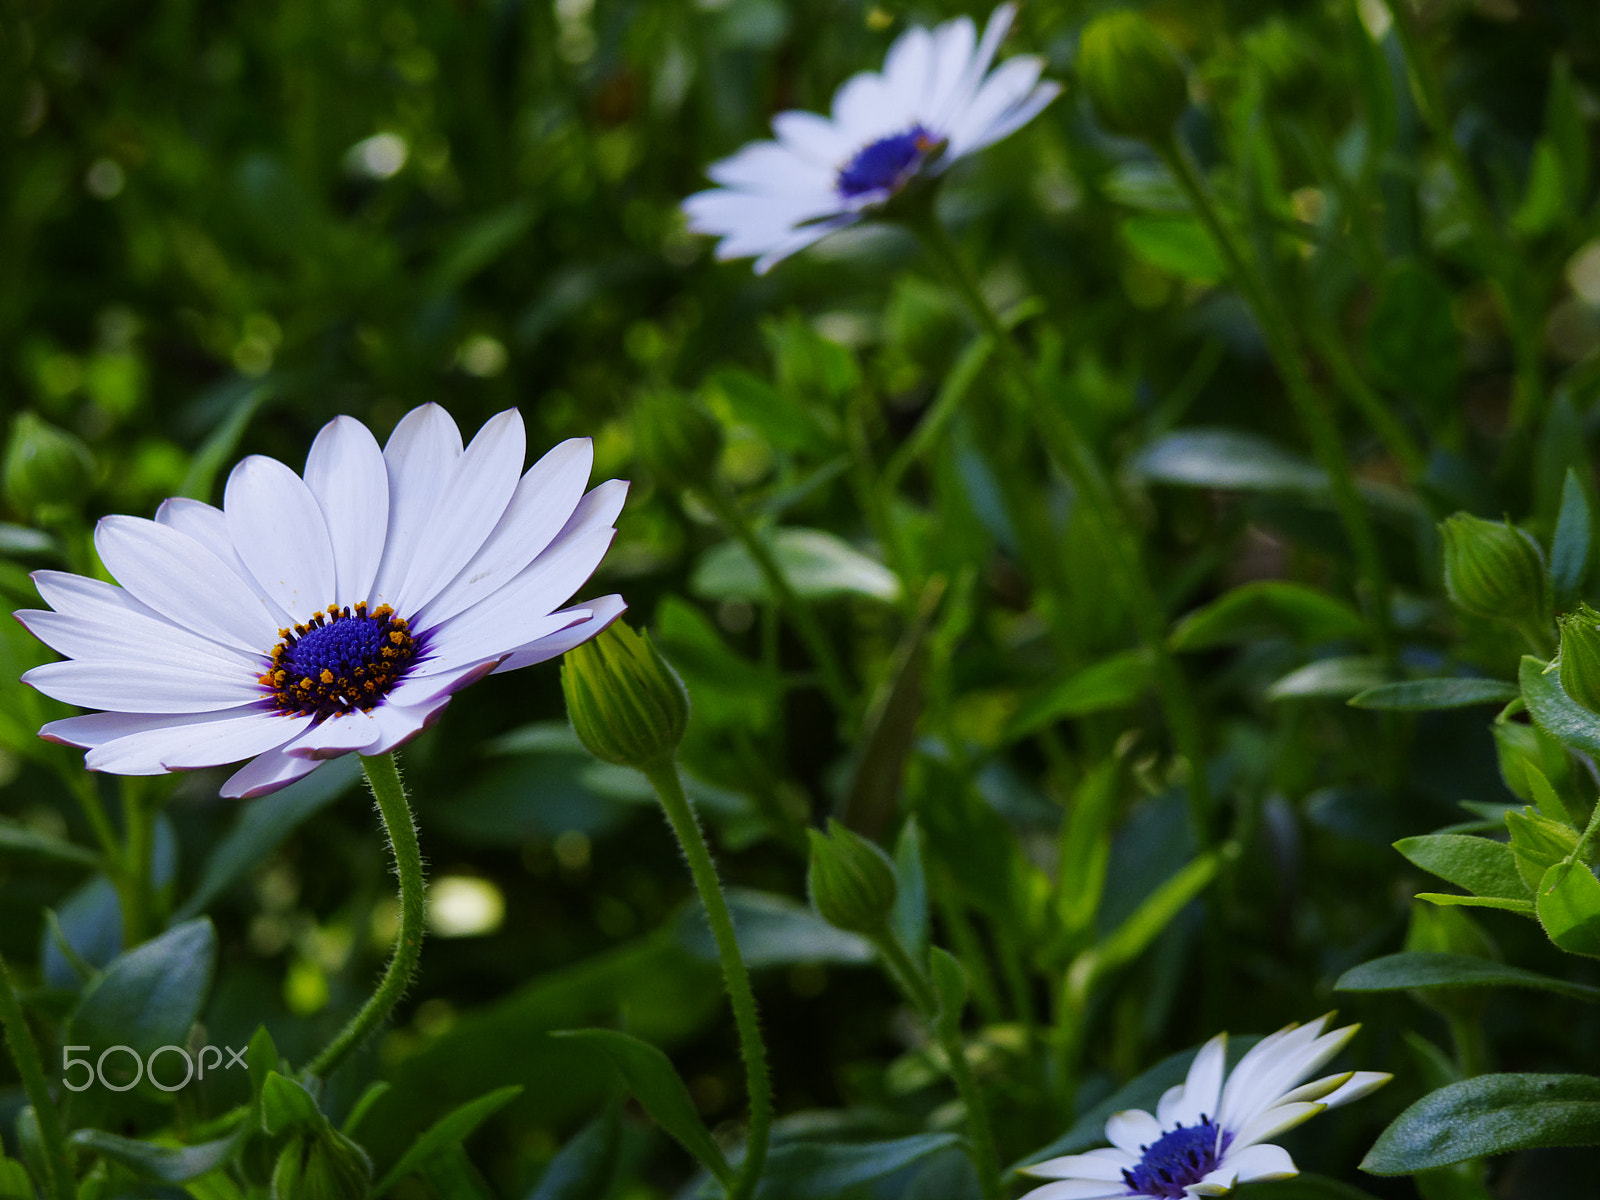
1580	656
1493	569
851	880
626	704
1133	78
322	1165
677	439
45	466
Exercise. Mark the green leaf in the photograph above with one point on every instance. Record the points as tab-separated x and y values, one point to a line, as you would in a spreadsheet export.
951	985
1338	678
1569	551
1562	717
584	1166
1538	843
1421	695
447	1132
752	401
1264	608
651	1077
479	243
286	1105
19	841
1451	900
1226	458
1544	197
1569	908
824	1171
1401	972
1489	1114
150	996
264	825
15	1182
1412	339
1114	682
244	398
374	1092
1174	243
773	931
170	1164
1145	923
1483	867
816	564
910	916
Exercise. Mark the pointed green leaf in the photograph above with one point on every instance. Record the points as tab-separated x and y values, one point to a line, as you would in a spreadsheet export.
150	996
1557	713
1489	1114
824	1171
654	1081
1422	695
1114	682
1401	972
1339	678
584	1166
1227	458
1538	843
286	1105
1451	900
1569	551
1265	608
1483	867
1569	908
169	1164
447	1132
951	985
753	401
816	564
19	841
1175	244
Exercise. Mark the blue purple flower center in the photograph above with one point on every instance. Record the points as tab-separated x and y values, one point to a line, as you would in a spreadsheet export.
341	660
1176	1159
886	164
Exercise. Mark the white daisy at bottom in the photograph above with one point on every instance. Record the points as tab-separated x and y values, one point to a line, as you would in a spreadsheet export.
1208	1134
326	614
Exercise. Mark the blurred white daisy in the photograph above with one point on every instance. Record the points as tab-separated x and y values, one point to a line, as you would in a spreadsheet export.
935	101
1209	1135
314	616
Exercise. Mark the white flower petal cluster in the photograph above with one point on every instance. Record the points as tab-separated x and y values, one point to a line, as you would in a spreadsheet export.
335	612
1210	1134
934	102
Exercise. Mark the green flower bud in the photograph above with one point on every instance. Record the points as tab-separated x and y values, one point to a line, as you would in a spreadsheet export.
677	439
1493	569
322	1165
850	879
45	466
1580	656
1133	78
626	704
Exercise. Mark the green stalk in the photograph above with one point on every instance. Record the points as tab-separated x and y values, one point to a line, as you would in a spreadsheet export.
1309	403
383	776
25	1054
805	621
139	828
663	776
1072	452
917	988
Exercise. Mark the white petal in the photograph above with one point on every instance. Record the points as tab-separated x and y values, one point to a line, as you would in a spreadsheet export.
978	66
209	527
421	690
907	70
95	729
419	457
865	109
397	726
266	773
1008	122
132	688
1010	84
1361	1083
813	137
1262	1162
1202	1089
85	597
346	473
1253	1085
276	524
1077	1189
149	641
1293	1061
1317	1089
1107	1164
770	169
184	582
1273	1122
336	736
468	508
545	498
1132	1130
953	43
792	243
224	738
601	612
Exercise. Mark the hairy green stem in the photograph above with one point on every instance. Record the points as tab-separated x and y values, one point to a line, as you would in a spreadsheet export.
25	1054
914	983
383	776
1072	452
663	776
805	621
1309	403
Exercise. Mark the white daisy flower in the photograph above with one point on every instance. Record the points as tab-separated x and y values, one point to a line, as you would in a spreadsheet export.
1208	1135
935	101
312	616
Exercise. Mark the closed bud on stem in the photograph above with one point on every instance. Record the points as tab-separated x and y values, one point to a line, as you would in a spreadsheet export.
626	703
1493	569
851	880
45	466
1580	656
1132	77
677	439
322	1164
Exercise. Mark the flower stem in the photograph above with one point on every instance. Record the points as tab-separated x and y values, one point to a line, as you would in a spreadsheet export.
914	983
805	621
139	830
1310	404
62	1185
663	776
1074	455
383	776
